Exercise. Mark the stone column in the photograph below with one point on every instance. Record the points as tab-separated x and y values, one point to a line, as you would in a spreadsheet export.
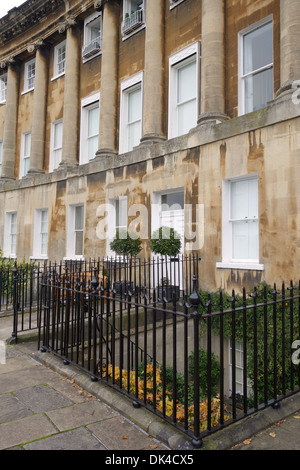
109	79
71	95
213	62
39	109
153	73
10	124
289	44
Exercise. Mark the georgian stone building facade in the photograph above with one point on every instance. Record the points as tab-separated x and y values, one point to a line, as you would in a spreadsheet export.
113	111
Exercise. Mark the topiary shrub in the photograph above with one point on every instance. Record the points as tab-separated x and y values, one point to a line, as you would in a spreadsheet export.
165	241
126	244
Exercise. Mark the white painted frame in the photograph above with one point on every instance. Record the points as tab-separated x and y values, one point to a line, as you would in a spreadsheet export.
7	245
241	77
176	61
127	86
70	245
56	72
37	235
86	104
53	165
227	260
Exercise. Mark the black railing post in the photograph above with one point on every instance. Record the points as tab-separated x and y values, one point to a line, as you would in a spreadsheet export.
196	316
15	301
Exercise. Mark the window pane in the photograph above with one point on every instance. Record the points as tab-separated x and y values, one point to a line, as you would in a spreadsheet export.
134	105
134	135
172	199
186	88
121	213
258	48
78	243
58	135
79	218
13	224
92	147
26	165
44	221
27	143
93	121
258	90
245	240
244	199
187	117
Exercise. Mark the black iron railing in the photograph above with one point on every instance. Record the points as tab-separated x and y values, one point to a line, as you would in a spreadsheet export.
201	361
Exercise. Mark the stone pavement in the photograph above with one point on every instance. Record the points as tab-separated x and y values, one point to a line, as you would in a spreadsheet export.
46	405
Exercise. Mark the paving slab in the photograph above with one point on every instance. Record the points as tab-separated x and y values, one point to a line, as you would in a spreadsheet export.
11	408
119	434
80	414
25	430
42	398
77	439
29	376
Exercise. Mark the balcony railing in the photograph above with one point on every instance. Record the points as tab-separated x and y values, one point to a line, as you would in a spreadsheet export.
91	49
133	21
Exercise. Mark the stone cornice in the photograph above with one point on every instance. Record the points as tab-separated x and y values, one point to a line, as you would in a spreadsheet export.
19	19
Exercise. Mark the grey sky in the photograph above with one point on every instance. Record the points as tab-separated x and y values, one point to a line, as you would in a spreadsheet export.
6	5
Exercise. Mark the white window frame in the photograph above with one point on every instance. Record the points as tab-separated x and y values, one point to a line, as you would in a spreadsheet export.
24	157
40	234
10	235
3	87
56	72
127	86
1	155
227	258
71	232
241	79
158	211
112	222
136	23
87	104
91	47
177	61
29	77
53	163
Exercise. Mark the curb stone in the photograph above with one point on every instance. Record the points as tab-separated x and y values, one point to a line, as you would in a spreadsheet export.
143	418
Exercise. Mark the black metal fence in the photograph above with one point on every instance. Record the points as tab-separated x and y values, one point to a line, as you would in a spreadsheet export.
200	361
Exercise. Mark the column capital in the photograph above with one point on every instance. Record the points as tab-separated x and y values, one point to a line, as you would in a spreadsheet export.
68	23
39	44
8	61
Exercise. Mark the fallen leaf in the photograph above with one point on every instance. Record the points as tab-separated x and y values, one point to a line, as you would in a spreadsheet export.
124	437
72	381
153	446
272	434
297	417
66	378
247	442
